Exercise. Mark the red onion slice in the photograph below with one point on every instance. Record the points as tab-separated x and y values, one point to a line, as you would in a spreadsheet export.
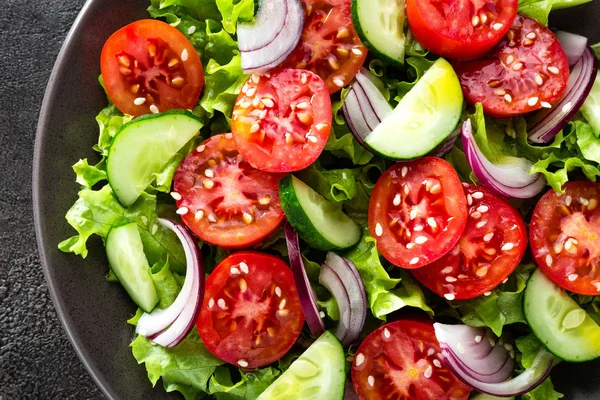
268	24
545	124
573	45
378	103
307	297
277	50
355	118
169	326
342	279
510	180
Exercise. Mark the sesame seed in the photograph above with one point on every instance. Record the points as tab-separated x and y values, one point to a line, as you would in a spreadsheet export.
208	184
451	279
437	363
508	246
483	209
418	228
517	66
549	260
243	363
508	98
176	195
553	70
404	171
357	51
583	201
397	199
268	102
539	80
447	270
200	148
478	195
255	78
531	35
488	237
497	26
386	333
478	339
567	107
303	78
414	261
504	281
449	296
320	126
487	293
209	173
532	101
255	101
475	20
245	104
139	101
406	189
221	303
211	303
420	239
469	200
431	222
251	92
184	55
481	224
321	314
568	200
508	346
378	229
510	59
460	347
360	358
234	271
312	139
410	245
492	342
154	109
282	304
431	351
191	30
278	291
154	229
413	213
428	372
244	267
545	104
338	81
254	128
371	380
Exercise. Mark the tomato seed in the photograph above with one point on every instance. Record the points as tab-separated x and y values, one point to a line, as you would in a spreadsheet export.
549	260
356	51
497	26
278	291
414	261
154	109
182	210
342	51
173	62
138	101
243	363
360	358
449	296
573	277
428	372
508	246
475	20
532	101
342	33
178	82
553	70
244	267
243	285
184	55
211	303
234	271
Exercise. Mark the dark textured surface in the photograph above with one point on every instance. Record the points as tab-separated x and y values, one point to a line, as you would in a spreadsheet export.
36	359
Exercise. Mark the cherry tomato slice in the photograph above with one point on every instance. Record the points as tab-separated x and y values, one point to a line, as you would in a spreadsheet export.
251	314
224	200
489	250
417	212
149	66
402	361
462	29
281	121
526	71
329	45
565	237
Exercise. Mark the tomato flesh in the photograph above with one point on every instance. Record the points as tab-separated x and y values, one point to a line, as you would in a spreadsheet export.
526	71
149	66
402	360
460	29
281	122
329	46
251	314
488	251
565	237
417	212
223	199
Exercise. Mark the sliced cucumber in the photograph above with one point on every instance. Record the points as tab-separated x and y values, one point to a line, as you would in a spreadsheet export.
380	25
318	374
320	223
143	147
558	321
591	108
423	119
127	260
483	396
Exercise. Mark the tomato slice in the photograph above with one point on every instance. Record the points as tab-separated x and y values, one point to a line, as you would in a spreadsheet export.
565	237
329	46
526	71
281	121
489	250
222	199
402	361
149	66
417	212
251	314
461	29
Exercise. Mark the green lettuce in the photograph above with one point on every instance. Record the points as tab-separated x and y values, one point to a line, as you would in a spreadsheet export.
540	9
527	350
165	283
249	387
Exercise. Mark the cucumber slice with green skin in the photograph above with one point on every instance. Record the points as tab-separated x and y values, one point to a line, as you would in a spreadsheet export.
320	223
318	374
380	26
483	396
423	119
144	147
558	322
128	262
591	108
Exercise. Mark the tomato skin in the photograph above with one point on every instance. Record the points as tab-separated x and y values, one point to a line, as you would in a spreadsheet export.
229	203
329	46
171	78
456	29
478	264
519	75
424	194
282	121
251	313
565	237
400	361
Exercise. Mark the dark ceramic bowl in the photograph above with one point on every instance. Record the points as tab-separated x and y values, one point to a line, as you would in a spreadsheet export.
92	311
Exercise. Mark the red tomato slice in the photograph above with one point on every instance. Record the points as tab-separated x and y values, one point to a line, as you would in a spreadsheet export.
417	212
489	250
281	121
461	29
402	361
251	314
329	45
565	237
526	71
222	199
149	66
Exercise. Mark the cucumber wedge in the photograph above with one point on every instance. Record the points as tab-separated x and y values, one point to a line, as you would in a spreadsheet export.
143	147
318	374
320	223
128	262
423	119
380	26
558	321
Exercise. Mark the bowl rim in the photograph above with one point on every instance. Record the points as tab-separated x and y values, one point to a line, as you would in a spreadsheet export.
52	88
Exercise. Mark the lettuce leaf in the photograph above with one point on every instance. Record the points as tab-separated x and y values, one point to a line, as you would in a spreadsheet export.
540	9
249	387
527	350
89	175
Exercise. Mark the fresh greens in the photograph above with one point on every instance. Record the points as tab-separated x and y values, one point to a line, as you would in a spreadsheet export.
540	9
528	347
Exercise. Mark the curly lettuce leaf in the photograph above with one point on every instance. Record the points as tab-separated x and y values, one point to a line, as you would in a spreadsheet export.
242	11
527	350
167	287
591	107
385	294
89	175
249	387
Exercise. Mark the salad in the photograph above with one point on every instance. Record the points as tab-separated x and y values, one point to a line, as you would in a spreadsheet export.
324	199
